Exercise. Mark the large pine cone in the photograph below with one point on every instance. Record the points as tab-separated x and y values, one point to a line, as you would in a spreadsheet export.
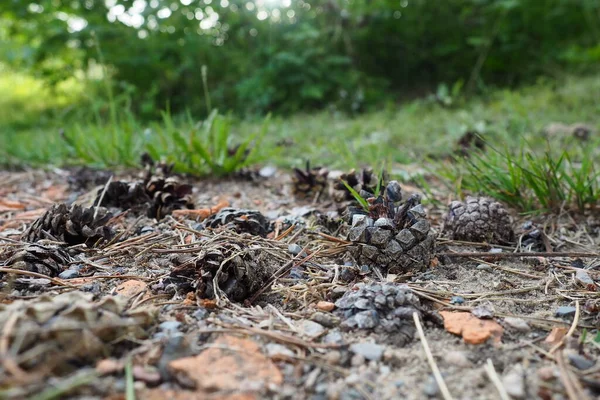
310	182
73	225
394	237
48	260
479	219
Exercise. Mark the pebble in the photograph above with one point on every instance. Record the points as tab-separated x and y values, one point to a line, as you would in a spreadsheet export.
431	388
357	360
457	358
200	314
514	383
326	319
278	350
370	351
565	311
69	274
457	300
294	249
146	229
169	326
517	324
311	328
484	267
333	337
267	171
547	373
580	362
333	357
325	306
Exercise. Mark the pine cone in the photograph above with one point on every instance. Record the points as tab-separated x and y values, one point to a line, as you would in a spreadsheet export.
157	196
365	182
394	237
479	219
85	178
309	183
239	278
248	221
48	260
73	225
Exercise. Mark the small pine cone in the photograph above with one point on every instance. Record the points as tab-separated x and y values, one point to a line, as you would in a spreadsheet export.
73	225
85	178
48	260
124	195
310	182
479	219
364	181
167	194
248	221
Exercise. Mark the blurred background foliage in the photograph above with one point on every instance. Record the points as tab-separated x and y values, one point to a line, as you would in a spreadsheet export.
287	56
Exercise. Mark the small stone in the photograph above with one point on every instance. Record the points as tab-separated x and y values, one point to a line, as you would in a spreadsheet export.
366	319
484	311
514	383
294	249
565	311
69	274
547	373
406	239
357	360
169	326
484	267
325	306
278	350
584	279
333	357
457	300
580	362
146	229
431	388
363	304
364	270
200	314
517	324
370	351
267	171
311	328
457	358
359	219
333	337
326	319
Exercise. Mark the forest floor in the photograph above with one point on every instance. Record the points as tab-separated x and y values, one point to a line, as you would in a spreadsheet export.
133	317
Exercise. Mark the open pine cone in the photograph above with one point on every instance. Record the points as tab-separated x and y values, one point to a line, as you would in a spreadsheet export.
248	221
479	219
157	195
394	237
74	225
48	259
363	181
310	182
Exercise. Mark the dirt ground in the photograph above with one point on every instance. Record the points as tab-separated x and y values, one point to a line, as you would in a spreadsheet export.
127	316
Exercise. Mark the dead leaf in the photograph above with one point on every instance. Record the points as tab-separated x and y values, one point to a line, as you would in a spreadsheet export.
556	335
235	366
472	329
7	205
